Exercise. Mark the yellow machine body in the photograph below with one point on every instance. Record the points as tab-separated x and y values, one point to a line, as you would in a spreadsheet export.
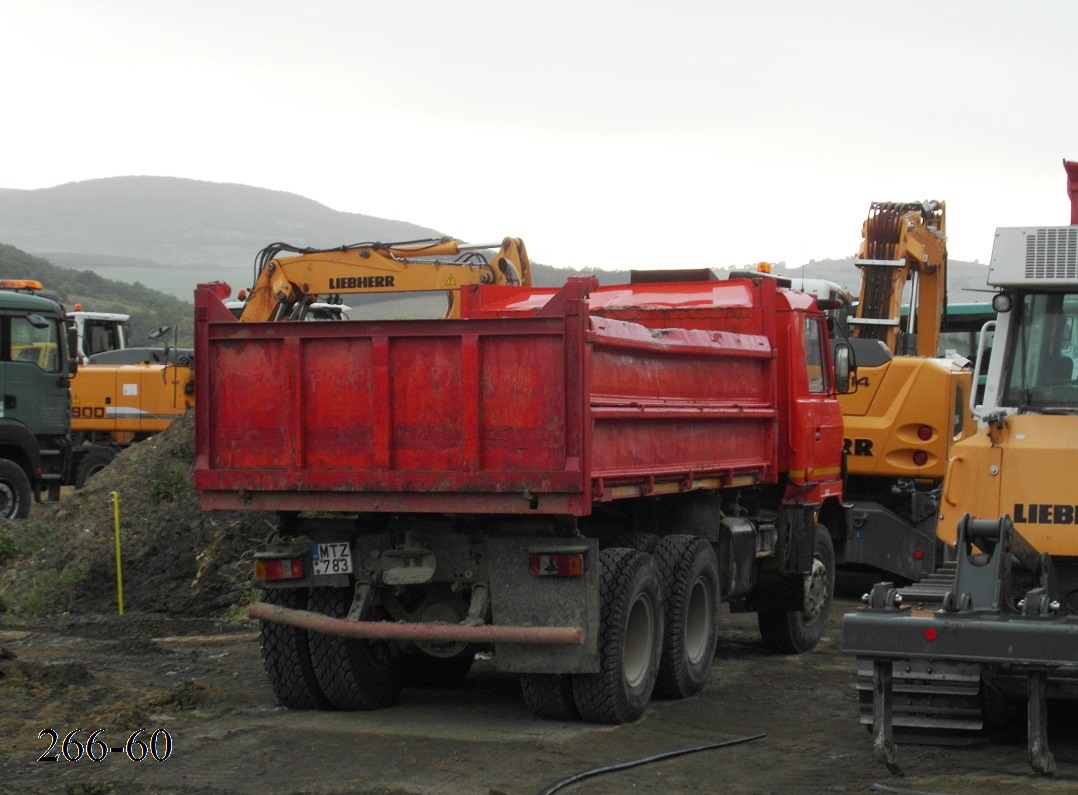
904	416
129	400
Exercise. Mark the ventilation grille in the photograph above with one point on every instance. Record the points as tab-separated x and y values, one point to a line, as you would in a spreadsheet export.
1052	253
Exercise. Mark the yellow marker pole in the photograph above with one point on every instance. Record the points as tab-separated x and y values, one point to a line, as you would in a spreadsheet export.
119	566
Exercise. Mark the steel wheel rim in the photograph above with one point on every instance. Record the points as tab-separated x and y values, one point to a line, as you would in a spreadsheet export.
816	590
639	641
9	501
698	621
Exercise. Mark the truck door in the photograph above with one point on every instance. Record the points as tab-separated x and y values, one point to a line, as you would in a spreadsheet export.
816	432
35	373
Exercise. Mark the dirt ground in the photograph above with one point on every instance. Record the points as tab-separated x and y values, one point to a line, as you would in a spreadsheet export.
201	680
174	663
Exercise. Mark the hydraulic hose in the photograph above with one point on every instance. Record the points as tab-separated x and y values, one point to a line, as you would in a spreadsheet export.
565	782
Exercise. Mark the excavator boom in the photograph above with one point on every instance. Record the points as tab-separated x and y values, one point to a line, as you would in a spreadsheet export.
285	285
903	241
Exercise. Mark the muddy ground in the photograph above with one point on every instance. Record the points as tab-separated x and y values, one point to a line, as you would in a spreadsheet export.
202	681
183	660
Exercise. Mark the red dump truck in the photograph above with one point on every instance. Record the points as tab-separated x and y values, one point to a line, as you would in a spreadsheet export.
571	480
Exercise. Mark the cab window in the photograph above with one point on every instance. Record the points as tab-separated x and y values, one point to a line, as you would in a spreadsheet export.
34	342
815	338
100	336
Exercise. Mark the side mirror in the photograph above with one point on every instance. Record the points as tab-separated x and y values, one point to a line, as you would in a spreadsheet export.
73	349
845	367
159	333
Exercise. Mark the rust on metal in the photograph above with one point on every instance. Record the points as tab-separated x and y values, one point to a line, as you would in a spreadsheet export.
385	630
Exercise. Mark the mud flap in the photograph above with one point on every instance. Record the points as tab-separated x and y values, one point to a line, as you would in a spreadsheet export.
520	598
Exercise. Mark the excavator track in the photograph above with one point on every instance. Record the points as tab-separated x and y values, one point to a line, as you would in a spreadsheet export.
935	702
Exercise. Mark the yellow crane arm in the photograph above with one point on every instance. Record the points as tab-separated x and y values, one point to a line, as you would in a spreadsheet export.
900	241
284	285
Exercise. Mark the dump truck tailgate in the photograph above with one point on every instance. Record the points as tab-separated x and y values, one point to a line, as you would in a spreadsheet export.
519	415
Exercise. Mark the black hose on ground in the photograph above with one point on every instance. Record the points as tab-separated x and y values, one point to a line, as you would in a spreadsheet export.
901	790
565	782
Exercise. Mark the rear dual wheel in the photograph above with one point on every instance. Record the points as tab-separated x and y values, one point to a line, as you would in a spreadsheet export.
353	674
690	582
630	639
286	654
658	630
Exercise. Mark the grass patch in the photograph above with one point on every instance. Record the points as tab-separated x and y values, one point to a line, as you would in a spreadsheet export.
42	571
43	594
170	480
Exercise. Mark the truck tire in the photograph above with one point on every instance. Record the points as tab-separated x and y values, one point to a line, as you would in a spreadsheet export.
630	639
94	461
633	539
689	571
549	696
14	491
797	631
286	655
354	674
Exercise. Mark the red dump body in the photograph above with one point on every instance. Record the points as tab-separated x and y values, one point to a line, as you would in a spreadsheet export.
537	402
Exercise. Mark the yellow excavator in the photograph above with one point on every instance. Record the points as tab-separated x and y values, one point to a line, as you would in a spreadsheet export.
909	406
123	396
285	287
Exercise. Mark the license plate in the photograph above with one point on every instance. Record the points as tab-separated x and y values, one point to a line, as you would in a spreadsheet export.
334	558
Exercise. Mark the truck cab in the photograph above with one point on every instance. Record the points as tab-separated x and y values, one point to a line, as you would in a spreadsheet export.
35	372
99	332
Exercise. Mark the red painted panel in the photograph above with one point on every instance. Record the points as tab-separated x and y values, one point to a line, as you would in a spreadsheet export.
492	413
246	426
337	403
426	402
522	397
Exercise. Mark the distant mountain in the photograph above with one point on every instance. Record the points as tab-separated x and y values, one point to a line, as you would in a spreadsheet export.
169	234
149	309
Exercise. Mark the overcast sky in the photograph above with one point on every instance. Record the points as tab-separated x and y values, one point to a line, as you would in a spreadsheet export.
608	134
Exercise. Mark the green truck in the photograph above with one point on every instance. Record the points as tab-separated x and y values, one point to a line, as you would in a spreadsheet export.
36	367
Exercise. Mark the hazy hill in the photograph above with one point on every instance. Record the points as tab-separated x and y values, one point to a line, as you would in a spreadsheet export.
149	309
169	234
172	233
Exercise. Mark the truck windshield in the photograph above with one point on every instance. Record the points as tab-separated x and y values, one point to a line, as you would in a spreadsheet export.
1044	349
34	343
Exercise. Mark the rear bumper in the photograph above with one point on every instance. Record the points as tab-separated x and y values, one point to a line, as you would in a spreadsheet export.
988	638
